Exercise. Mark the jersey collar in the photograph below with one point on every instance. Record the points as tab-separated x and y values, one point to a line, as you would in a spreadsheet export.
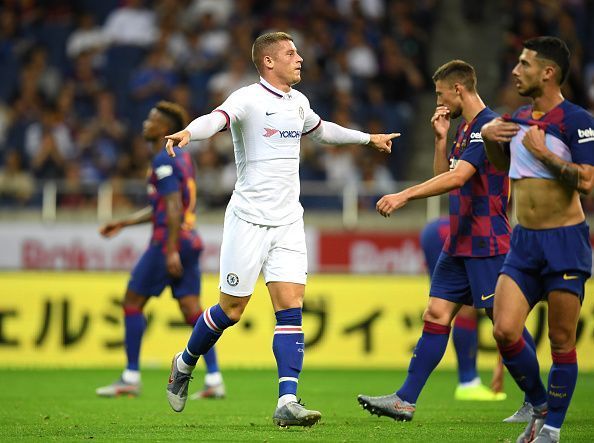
275	91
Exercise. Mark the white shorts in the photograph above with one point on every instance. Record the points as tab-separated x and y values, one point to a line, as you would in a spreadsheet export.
278	251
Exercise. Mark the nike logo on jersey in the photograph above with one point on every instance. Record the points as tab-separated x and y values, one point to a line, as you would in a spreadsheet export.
487	297
270	113
570	277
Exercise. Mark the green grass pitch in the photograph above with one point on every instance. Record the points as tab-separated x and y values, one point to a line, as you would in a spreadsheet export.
60	405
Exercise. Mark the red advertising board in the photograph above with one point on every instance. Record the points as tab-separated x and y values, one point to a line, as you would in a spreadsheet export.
370	252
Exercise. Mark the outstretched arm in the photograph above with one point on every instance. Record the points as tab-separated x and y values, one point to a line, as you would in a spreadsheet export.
494	134
112	228
201	128
440	184
577	176
331	133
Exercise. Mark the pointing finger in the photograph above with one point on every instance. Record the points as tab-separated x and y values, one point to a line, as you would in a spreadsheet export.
169	148
183	142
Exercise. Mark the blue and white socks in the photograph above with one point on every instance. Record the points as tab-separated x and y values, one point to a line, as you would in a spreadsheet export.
213	375
208	329
287	345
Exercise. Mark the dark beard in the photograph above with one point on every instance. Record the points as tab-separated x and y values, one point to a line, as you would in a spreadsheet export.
530	92
455	114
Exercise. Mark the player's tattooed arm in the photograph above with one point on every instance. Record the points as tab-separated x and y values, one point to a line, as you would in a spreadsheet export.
576	176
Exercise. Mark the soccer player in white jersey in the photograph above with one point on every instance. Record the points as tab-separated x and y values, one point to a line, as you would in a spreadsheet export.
263	229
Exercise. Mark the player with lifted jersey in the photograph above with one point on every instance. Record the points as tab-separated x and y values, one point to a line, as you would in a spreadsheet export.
548	148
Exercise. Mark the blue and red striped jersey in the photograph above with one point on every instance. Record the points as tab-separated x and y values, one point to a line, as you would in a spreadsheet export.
479	226
167	175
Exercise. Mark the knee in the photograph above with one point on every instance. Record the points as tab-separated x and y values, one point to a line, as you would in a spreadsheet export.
132	305
505	334
189	311
289	303
234	311
434	315
133	301
562	340
191	315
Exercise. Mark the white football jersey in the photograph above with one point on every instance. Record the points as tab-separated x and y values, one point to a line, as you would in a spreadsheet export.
267	125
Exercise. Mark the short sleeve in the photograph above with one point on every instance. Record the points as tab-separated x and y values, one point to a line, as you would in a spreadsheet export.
581	137
166	173
236	106
475	150
312	121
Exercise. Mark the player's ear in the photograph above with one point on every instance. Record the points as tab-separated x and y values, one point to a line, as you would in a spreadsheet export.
268	62
549	72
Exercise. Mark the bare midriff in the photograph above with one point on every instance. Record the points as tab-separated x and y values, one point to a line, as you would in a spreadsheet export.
546	204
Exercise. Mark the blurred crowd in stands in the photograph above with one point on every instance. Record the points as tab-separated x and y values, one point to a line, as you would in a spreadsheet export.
77	79
570	20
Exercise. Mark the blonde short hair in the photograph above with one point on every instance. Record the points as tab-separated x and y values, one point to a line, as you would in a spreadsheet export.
263	43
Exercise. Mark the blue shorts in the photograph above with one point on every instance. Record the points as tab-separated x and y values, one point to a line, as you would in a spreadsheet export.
150	277
544	260
466	280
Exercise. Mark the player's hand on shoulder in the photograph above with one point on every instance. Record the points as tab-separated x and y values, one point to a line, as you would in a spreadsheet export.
499	130
180	139
390	203
440	121
383	142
